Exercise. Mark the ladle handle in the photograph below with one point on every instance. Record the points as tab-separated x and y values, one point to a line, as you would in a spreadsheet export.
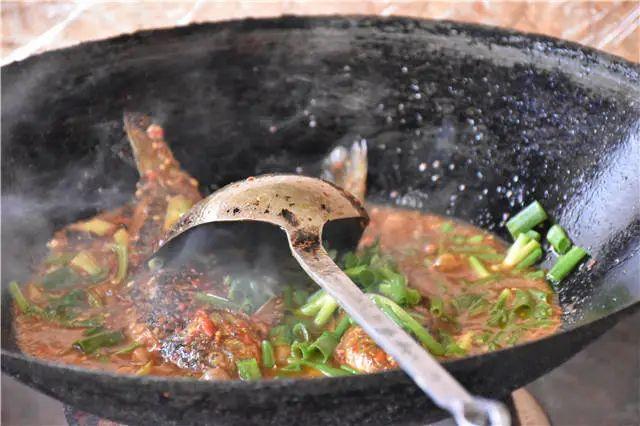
425	371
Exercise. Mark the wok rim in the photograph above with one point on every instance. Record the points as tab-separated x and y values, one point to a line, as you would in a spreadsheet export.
618	66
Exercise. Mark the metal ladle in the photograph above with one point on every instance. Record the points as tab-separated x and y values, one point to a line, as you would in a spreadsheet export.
302	206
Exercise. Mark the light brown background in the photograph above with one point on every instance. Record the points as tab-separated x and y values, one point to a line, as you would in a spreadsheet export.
34	26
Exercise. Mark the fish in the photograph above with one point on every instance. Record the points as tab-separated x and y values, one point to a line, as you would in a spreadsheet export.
167	317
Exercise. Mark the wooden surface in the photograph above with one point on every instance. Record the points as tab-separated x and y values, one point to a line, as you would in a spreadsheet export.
30	26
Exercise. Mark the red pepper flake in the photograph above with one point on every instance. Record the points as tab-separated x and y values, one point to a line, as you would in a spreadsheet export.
206	325
155	132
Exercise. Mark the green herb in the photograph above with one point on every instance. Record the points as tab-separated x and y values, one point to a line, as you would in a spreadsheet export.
23	304
268	358
474	304
478	267
558	239
215	301
128	349
526	219
566	263
522	303
534	235
322	307
404	320
59	259
519	250
348	369
542	309
476	239
121	238
323	368
248	369
436	306
499	315
91	344
300	332
535	275
60	278
324	345
280	335
87	263
531	258
92	331
447	227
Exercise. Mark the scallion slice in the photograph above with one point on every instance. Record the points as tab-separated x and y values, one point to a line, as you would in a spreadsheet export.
566	263
248	369
91	344
526	219
268	358
558	239
478	267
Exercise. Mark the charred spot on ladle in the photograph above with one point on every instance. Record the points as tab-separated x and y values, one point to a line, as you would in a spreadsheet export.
306	240
236	210
289	217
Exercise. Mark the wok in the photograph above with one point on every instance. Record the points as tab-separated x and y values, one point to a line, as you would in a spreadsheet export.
461	120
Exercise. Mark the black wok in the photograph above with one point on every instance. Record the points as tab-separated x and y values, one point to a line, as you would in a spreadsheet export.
498	119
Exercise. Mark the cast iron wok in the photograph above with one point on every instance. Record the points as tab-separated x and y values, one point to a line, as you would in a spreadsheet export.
461	120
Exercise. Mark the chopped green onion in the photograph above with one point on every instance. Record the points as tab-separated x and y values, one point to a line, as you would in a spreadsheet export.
361	275
301	350
531	258
342	326
535	275
436	306
534	235
526	219
93	330
499	315
490	257
322	307
566	263
478	267
86	262
522	303
89	322
300	332
93	343
476	239
447	227
145	369
299	297
268	358
128	349
121	238
215	301
348	369
60	278
155	263
21	301
324	368
280	335
558	239
59	259
406	321
325	345
542	311
248	369
94	298
519	250
325	312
